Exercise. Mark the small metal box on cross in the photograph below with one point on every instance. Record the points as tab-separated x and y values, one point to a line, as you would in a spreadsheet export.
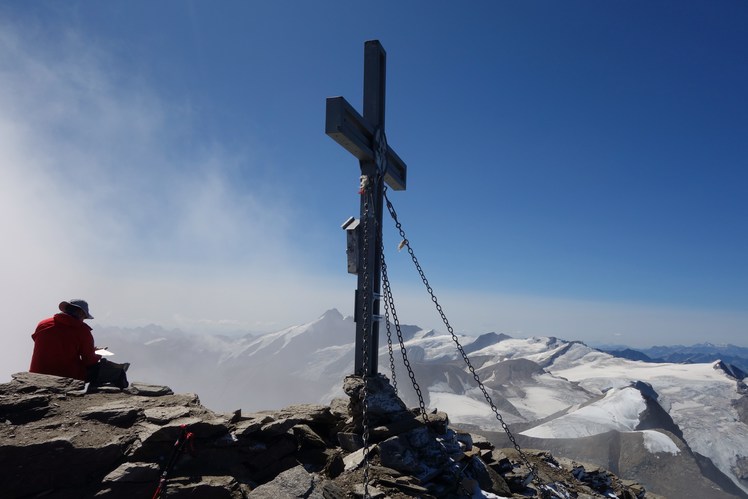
364	137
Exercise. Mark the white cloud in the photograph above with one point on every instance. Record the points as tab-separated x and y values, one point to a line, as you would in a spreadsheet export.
107	194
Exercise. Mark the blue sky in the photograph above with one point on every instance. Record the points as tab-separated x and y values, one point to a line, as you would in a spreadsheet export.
576	169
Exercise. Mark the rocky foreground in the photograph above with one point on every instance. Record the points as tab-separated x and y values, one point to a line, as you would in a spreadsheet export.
57	441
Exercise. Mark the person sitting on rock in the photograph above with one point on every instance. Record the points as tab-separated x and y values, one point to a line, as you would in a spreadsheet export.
64	346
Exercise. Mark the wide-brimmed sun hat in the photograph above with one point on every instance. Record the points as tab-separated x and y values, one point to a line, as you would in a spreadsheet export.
81	304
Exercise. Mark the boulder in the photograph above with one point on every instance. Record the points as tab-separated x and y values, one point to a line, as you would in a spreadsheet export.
119	413
32	382
148	390
296	482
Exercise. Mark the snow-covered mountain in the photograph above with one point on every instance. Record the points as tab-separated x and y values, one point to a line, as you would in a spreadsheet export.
636	418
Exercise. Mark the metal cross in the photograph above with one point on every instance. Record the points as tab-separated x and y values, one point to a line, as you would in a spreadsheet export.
364	137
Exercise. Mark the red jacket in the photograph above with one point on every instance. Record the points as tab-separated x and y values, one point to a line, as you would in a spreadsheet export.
63	346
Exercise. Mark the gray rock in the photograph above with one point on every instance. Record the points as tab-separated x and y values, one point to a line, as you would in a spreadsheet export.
163	415
104	389
339	407
308	437
359	490
396	453
156	441
234	416
451	445
248	427
381	397
308	413
354	460
294	483
420	438
134	472
395	428
350	442
262	417
206	487
272	451
741	405
20	408
278	427
481	442
487	479
466	439
45	382
114	413
36	468
404	484
149	390
438	421
741	467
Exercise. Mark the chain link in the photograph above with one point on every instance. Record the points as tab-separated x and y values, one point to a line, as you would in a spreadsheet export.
494	409
393	379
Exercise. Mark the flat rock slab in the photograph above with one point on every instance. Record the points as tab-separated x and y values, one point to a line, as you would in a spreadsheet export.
248	427
359	490
134	472
46	382
21	408
163	415
308	413
207	487
354	459
292	483
350	442
149	390
118	413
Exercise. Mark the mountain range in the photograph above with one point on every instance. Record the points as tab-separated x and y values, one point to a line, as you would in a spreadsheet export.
732	355
678	428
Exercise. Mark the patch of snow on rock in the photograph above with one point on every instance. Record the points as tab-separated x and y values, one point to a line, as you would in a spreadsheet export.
153	342
460	407
656	442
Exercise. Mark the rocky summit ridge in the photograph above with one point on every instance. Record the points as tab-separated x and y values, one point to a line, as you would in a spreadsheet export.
59	441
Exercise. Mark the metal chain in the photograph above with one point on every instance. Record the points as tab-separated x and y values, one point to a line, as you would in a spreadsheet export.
504	426
393	379
456	470
366	318
390	304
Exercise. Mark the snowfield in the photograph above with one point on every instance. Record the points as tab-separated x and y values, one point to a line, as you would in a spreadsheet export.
618	410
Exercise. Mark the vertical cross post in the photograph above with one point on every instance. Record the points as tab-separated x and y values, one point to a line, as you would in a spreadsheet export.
364	137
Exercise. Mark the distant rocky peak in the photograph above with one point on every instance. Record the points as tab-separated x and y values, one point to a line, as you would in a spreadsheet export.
332	314
646	390
731	370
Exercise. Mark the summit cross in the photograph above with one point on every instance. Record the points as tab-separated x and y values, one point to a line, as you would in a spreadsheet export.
364	137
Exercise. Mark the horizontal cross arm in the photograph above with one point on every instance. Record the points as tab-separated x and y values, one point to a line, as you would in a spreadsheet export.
395	176
349	129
